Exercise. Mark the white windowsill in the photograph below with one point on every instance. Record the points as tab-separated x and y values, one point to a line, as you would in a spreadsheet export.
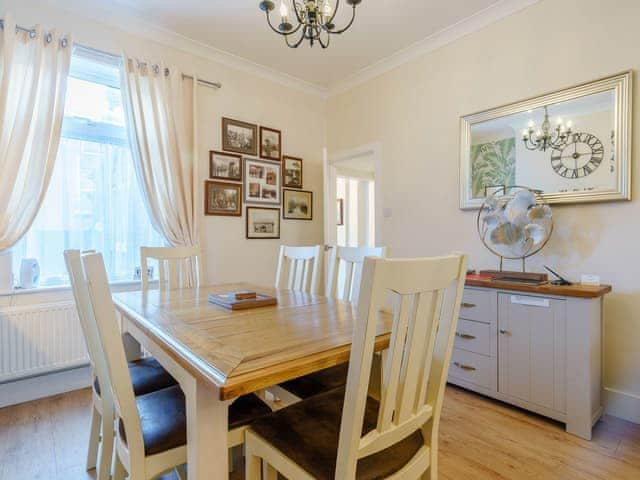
67	288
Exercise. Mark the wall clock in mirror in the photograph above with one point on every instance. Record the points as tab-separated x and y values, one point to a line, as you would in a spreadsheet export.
579	157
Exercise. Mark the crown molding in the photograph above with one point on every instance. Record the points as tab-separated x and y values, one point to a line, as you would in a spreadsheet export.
115	15
469	25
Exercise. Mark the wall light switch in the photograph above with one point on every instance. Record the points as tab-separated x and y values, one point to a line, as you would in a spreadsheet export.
387	212
589	279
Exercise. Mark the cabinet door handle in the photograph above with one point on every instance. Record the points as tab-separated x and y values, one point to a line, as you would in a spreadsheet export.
464	367
466	336
467	305
504	332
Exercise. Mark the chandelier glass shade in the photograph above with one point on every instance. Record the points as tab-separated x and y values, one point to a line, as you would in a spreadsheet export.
310	20
546	137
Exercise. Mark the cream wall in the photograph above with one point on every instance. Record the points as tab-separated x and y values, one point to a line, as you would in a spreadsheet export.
298	114
414	111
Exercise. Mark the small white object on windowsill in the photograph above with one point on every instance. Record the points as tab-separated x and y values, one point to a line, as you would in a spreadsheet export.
589	279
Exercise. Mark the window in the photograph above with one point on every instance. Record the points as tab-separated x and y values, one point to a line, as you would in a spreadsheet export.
94	200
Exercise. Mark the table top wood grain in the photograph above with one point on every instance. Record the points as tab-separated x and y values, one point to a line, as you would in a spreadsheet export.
246	350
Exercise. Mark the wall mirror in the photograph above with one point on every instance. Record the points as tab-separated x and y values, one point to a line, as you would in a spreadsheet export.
574	145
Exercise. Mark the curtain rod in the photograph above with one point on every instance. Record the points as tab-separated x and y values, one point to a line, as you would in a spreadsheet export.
102	52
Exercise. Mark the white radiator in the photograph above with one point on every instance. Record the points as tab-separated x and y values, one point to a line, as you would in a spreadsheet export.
38	339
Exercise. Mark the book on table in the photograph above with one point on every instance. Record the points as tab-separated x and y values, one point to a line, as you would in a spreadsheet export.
242	300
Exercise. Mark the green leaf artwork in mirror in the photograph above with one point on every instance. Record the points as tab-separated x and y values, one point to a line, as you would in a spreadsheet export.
493	164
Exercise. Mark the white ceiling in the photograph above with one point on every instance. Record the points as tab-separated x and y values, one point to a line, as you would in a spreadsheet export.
382	28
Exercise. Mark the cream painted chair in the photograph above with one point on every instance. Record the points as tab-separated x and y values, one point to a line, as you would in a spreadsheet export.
298	268
146	374
178	267
345	263
345	434
151	429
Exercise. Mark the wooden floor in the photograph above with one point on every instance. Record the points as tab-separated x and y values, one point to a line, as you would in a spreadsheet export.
480	439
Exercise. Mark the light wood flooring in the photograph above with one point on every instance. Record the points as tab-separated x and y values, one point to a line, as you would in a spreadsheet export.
479	439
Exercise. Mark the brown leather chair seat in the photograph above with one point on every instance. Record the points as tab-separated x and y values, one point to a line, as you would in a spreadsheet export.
318	382
147	375
163	418
308	432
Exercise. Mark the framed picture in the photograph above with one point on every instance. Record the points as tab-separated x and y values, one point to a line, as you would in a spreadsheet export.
263	222
261	182
221	198
225	166
292	172
340	212
270	144
239	137
297	204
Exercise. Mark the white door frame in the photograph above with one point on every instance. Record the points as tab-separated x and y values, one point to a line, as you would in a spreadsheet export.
330	213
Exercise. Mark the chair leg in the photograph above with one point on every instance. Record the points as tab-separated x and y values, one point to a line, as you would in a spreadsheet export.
106	448
94	439
268	472
252	465
119	472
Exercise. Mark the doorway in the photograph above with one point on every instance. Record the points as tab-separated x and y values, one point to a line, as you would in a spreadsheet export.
351	198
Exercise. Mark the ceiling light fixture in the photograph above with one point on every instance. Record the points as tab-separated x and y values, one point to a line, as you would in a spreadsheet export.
314	20
544	137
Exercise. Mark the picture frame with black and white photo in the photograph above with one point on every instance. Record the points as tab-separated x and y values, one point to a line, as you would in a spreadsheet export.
239	137
291	172
297	204
270	144
262	182
222	198
225	166
263	223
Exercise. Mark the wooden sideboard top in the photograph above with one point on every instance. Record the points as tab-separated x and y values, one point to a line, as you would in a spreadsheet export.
575	290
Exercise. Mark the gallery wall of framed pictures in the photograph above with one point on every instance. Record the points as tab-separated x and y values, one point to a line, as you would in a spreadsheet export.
251	167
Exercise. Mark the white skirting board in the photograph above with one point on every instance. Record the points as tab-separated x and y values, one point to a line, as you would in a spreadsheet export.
25	390
622	405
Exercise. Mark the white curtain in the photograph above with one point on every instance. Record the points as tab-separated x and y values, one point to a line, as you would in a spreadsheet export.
160	106
33	83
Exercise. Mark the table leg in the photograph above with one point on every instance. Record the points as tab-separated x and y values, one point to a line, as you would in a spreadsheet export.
207	431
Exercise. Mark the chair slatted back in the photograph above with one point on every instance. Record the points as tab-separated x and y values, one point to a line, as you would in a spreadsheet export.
346	263
80	290
298	268
113	347
178	267
427	294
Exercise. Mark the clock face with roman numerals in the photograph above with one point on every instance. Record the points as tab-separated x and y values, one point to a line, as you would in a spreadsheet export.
581	156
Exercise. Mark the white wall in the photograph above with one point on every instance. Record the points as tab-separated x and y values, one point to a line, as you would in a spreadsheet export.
298	114
414	111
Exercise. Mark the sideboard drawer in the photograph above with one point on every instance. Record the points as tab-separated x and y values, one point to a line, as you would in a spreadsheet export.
476	305
473	337
471	367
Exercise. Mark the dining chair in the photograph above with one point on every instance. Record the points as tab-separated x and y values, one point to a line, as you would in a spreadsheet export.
345	434
178	267
298	268
146	374
345	263
151	433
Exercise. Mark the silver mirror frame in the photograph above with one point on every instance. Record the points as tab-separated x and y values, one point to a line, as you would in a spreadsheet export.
621	84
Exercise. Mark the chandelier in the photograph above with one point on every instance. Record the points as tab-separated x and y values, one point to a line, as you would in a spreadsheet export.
314	20
545	137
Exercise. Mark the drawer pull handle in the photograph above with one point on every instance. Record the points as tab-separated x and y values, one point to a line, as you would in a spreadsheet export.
504	332
464	367
467	305
466	336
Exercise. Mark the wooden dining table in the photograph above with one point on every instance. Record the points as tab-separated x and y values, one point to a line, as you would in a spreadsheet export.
217	354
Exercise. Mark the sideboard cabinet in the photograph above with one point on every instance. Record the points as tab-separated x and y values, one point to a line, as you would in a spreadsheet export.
539	348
